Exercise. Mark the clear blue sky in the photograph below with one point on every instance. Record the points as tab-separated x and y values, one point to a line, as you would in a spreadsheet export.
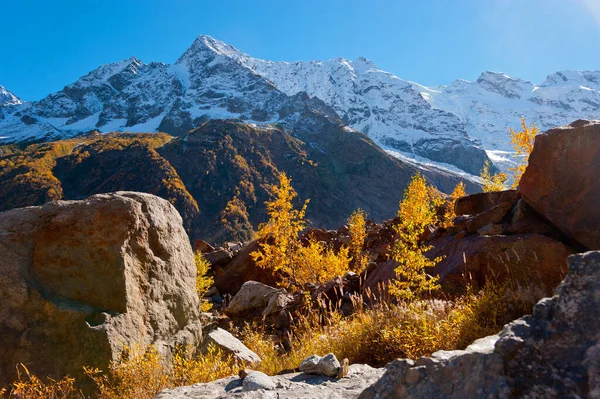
48	44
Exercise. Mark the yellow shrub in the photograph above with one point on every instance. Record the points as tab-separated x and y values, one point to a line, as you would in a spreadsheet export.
449	215
408	329
29	386
492	183
141	375
205	368
522	142
316	263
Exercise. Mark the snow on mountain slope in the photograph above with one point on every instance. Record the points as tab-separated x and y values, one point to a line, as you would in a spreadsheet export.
495	102
378	103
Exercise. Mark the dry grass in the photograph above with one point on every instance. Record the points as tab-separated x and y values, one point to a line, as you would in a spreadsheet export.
387	331
138	375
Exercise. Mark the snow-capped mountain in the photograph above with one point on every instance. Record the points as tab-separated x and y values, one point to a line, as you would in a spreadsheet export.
495	102
8	98
213	80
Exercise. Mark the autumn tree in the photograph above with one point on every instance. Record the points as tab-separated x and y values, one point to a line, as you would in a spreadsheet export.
280	247
279	236
522	142
492	182
449	215
416	211
358	233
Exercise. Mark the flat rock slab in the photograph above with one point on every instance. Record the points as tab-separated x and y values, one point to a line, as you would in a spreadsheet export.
230	344
292	386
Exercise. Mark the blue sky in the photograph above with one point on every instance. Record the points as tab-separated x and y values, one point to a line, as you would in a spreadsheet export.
48	44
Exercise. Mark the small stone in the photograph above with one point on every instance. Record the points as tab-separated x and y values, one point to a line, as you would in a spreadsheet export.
256	380
343	371
310	365
329	365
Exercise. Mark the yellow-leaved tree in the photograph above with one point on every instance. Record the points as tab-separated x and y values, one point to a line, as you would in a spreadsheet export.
522	142
449	215
280	247
358	233
416	211
492	183
279	236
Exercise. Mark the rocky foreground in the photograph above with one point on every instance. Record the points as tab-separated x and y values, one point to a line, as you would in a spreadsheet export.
553	353
80	279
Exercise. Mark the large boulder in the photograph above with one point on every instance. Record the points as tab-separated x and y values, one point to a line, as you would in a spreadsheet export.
81	279
523	257
561	181
526	258
553	353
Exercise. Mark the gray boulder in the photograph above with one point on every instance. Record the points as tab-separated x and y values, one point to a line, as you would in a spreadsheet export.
252	297
329	365
552	353
310	365
81	279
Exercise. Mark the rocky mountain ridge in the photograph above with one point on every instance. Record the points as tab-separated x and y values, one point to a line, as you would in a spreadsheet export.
217	174
212	80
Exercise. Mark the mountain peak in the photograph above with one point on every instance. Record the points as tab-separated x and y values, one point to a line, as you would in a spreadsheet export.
104	72
492	76
8	98
206	47
566	77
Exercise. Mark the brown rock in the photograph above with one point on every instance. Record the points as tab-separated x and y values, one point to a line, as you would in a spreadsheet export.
492	215
219	257
230	276
477	203
524	257
252	297
343	371
561	181
428	233
490	230
380	277
81	279
202	246
525	220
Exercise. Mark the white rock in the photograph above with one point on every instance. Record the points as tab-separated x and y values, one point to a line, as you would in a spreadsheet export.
329	365
256	380
310	365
